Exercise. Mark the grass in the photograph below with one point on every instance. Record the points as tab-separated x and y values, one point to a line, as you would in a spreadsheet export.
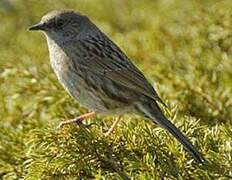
185	50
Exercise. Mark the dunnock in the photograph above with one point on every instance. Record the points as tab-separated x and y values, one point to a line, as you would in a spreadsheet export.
99	75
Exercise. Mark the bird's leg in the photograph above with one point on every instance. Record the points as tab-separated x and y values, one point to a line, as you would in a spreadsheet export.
112	128
78	120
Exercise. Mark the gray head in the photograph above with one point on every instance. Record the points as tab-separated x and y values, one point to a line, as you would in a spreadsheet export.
63	24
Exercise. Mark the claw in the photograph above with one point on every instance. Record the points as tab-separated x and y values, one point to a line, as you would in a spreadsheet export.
87	126
112	128
79	123
77	120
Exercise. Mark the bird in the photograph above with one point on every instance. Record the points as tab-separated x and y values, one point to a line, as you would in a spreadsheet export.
99	75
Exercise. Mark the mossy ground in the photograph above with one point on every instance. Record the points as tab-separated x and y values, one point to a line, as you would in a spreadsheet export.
185	50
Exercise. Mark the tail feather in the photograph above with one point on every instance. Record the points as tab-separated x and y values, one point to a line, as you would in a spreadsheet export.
153	112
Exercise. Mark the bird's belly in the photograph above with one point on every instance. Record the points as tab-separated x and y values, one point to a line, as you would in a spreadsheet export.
76	86
75	83
87	96
80	91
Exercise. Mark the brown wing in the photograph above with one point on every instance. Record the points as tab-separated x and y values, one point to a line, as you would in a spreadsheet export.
106	58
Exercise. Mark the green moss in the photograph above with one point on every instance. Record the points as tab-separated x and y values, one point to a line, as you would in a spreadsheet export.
185	50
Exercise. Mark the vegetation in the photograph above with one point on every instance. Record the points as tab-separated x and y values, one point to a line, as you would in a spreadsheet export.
185	50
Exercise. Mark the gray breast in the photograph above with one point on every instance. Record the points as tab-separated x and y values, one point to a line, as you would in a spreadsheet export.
71	80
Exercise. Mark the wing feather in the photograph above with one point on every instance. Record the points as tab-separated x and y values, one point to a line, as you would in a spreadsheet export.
105	58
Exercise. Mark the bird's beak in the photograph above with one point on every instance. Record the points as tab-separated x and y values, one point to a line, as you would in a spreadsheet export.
38	26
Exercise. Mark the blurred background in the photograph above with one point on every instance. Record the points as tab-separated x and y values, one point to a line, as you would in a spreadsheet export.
183	47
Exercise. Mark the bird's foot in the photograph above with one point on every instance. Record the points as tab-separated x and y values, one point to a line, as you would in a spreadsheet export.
78	121
113	127
108	133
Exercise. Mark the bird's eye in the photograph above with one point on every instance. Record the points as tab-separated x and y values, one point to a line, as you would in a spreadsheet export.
59	23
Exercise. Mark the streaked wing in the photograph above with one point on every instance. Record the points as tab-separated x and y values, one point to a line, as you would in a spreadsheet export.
105	58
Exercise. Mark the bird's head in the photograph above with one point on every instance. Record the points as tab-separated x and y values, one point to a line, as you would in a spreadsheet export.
62	24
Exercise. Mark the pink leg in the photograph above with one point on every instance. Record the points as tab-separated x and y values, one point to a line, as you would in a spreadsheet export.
77	120
112	128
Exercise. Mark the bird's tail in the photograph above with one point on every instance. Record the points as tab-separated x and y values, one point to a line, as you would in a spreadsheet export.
152	111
